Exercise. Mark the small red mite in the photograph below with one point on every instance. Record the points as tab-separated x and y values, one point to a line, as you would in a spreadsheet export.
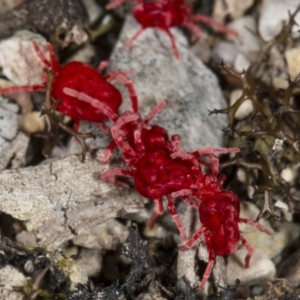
83	94
156	164
164	14
219	213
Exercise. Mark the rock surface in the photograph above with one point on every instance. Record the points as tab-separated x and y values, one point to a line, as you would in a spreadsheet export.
261	267
190	88
57	199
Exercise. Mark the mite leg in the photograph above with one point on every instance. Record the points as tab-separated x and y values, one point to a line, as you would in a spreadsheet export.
114	4
194	28
92	101
109	176
110	148
256	225
250	251
211	261
22	88
102	65
211	152
184	193
121	76
174	47
193	239
159	208
211	21
174	214
41	55
175	140
116	132
155	110
129	44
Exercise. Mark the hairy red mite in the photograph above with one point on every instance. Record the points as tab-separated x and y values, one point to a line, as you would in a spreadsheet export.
219	213
156	164
164	14
83	94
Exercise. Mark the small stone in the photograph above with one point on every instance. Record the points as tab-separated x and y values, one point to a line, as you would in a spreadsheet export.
282	238
234	8
32	122
107	236
241	63
70	251
261	267
18	59
224	51
26	239
288	175
245	109
246	42
272	15
90	261
292	57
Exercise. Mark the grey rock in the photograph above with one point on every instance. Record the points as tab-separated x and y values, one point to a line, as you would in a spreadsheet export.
191	89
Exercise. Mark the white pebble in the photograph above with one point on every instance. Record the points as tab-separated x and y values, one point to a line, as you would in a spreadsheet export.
287	174
272	15
261	267
245	109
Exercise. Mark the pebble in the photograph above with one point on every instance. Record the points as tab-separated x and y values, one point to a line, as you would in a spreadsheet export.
246	42
90	261
106	236
234	8
242	49
272	15
292	57
282	238
32	122
224	51
23	67
245	109
27	239
261	267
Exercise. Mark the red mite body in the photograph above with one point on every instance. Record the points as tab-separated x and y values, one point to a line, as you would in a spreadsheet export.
83	79
164	14
157	174
156	164
83	94
219	213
